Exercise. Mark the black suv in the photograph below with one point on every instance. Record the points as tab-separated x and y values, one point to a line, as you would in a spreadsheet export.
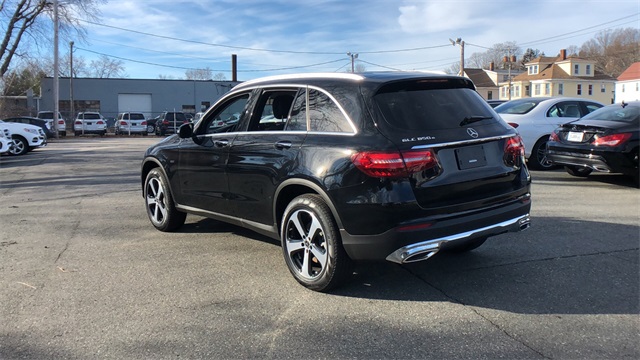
346	167
169	121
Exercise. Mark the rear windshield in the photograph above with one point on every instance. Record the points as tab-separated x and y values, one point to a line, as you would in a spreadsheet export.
615	113
91	116
518	107
136	116
45	115
432	109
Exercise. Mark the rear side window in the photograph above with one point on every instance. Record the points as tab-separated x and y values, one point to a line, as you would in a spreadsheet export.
431	109
324	114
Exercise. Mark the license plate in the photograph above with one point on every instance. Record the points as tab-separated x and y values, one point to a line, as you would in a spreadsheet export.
89	123
471	157
575	136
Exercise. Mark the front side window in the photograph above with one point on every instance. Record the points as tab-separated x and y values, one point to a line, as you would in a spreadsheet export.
226	116
272	110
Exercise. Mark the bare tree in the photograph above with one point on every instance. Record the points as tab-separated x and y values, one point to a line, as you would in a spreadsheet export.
219	77
106	67
199	74
25	24
613	50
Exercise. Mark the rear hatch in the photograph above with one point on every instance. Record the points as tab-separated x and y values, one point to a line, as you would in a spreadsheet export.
478	157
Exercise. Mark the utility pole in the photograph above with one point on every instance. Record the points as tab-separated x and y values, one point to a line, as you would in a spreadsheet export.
509	60
353	60
71	109
56	80
459	42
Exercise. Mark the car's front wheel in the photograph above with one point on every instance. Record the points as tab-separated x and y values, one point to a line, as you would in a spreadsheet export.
579	171
311	244
159	202
20	146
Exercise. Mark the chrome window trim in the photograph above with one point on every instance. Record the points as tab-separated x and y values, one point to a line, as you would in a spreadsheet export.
464	142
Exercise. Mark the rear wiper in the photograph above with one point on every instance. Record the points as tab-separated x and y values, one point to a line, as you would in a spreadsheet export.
474	118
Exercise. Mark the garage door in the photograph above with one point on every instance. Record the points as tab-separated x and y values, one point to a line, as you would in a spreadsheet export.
135	103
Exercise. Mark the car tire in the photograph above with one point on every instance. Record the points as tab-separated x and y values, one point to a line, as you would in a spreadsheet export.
159	203
311	244
467	246
538	159
579	171
151	129
20	146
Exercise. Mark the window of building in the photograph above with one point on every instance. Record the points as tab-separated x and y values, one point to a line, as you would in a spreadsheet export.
576	69
536	89
560	89
527	91
489	95
517	91
590	89
588	69
622	87
603	88
579	89
533	69
547	89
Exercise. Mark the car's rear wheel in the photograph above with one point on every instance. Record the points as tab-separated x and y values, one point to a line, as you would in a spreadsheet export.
20	146
467	246
159	202
151	129
538	159
311	244
579	171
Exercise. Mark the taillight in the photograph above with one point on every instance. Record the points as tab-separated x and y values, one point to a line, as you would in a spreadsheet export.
78	122
123	123
165	122
60	122
394	164
143	123
513	125
513	151
100	122
554	137
612	140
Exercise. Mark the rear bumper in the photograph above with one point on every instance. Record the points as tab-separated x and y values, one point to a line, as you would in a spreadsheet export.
408	244
616	162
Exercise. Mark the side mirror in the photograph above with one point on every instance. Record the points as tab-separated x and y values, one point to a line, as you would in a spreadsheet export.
185	131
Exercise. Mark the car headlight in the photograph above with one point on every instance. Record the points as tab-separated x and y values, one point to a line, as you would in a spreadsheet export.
33	131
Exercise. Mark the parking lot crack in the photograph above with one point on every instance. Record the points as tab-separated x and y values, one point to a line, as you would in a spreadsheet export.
479	314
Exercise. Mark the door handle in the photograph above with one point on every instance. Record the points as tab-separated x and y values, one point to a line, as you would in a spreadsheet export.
221	143
283	145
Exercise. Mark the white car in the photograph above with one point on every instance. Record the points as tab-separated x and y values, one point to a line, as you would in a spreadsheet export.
6	144
536	118
90	123
129	123
25	137
48	115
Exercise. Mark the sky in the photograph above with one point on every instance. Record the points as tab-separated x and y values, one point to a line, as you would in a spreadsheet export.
156	38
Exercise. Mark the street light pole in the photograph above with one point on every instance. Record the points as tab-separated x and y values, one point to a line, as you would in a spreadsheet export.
71	109
353	60
56	80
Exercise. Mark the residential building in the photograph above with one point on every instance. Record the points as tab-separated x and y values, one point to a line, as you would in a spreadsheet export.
487	81
560	76
628	85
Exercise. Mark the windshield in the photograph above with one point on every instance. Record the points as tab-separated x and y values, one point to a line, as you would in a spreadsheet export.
518	107
616	112
432	109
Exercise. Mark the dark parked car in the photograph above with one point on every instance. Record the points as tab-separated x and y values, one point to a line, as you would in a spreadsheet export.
605	140
346	167
169	122
495	103
43	124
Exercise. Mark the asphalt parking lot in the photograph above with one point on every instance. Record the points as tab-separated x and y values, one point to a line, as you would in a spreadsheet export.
83	274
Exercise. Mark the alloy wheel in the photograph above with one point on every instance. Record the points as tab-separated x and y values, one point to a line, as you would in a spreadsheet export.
156	205
305	244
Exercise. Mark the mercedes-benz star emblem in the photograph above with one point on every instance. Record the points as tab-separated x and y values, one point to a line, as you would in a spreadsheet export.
472	132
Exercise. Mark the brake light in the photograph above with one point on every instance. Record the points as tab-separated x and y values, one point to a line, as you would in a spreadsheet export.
165	122
514	151
78	122
143	123
100	122
394	164
123	123
513	125
61	122
612	140
554	137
